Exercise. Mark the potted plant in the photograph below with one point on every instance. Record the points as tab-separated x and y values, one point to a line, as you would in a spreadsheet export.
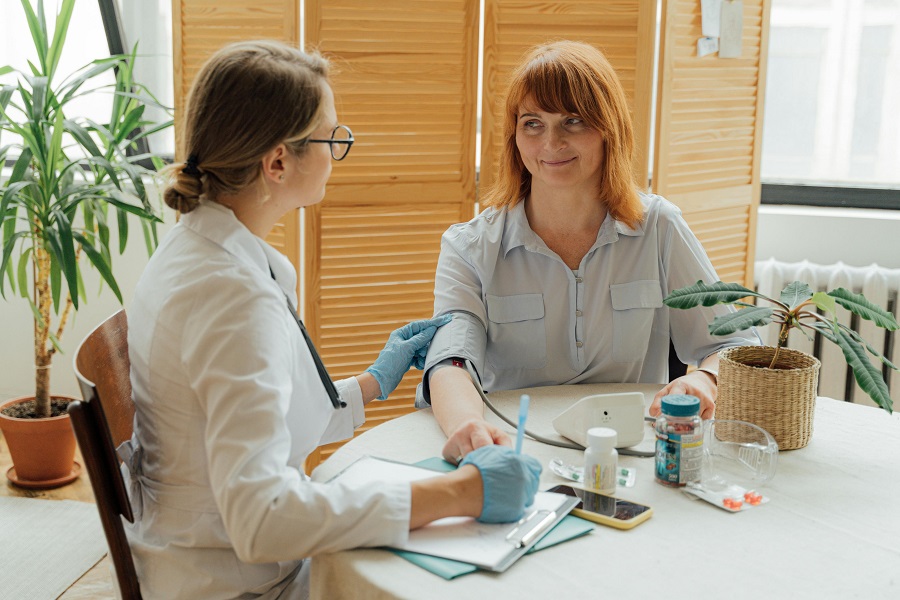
775	387
72	180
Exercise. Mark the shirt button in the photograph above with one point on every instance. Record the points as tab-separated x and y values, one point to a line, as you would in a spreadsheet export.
579	279
579	344
578	313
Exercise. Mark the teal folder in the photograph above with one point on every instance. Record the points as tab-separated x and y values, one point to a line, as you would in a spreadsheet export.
567	529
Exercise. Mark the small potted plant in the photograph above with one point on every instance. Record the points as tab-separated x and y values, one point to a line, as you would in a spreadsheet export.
72	181
775	387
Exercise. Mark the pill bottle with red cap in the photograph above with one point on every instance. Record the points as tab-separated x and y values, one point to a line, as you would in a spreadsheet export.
679	441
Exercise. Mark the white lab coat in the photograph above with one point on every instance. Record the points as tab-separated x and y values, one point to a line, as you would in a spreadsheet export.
228	406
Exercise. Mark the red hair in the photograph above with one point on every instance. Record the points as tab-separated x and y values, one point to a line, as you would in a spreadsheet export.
571	78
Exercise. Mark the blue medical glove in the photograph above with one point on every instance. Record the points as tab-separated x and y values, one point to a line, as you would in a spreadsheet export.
406	347
510	481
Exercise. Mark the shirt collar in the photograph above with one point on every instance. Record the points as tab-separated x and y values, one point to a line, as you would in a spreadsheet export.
218	224
517	232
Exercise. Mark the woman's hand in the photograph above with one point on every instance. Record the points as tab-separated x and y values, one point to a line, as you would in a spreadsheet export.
697	383
470	435
406	347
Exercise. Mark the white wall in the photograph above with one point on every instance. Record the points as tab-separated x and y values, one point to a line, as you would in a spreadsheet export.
825	236
16	323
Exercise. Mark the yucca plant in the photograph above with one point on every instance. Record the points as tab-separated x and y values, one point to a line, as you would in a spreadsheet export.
72	180
796	309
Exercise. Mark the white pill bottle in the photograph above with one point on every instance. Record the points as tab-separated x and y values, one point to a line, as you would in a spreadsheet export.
601	460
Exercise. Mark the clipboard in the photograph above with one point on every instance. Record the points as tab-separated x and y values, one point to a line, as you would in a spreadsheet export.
488	546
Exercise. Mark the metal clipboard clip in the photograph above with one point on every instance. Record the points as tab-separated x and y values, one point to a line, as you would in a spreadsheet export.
530	527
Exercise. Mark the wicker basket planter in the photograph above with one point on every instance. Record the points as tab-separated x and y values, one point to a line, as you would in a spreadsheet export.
781	400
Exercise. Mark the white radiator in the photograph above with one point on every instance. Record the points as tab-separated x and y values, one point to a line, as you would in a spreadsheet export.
878	284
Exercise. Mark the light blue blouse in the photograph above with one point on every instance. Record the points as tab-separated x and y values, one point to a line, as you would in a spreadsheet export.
526	319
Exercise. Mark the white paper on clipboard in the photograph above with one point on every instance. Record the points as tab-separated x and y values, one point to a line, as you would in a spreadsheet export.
491	546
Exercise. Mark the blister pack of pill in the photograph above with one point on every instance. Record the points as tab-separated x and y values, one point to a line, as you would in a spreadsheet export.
732	498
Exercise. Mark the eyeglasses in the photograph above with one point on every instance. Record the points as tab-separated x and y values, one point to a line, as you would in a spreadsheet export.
340	142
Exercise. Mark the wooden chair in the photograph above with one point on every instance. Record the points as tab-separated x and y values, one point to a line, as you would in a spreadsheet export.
101	422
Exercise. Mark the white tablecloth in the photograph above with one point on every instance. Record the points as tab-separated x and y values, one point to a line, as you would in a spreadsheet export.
830	530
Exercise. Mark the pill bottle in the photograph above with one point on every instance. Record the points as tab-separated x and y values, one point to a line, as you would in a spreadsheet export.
679	441
601	460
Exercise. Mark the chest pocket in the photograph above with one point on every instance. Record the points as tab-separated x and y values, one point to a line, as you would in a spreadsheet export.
634	306
517	338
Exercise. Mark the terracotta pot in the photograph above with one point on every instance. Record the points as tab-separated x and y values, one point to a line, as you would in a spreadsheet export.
42	450
781	400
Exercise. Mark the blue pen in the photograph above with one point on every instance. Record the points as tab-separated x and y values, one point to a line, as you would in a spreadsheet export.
523	415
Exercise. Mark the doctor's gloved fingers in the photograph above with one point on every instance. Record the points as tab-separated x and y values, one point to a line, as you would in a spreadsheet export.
411	329
509	480
419	358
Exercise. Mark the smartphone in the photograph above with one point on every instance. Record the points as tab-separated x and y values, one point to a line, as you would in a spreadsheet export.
606	510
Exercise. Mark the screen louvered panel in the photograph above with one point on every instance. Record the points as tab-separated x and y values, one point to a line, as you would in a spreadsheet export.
623	30
404	73
404	78
708	133
724	234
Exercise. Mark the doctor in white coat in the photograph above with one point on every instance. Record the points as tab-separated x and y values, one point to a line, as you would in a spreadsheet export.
230	394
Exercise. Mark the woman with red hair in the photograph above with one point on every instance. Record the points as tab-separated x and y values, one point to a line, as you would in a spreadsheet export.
561	279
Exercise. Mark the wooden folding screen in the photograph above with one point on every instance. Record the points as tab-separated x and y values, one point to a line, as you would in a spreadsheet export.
199	28
623	30
405	76
708	140
405	79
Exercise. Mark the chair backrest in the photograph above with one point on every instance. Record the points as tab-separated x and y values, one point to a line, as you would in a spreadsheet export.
101	422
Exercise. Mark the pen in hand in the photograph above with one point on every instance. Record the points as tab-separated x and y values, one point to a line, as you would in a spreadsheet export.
523	415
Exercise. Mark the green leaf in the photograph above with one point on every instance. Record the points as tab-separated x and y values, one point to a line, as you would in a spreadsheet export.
24	263
795	294
69	87
858	305
82	136
80	290
21	165
55	283
64	253
709	295
866	374
131	121
868	346
740	320
39	97
10	237
10	194
122	218
38	319
59	36
101	265
55	155
53	340
824	302
38	34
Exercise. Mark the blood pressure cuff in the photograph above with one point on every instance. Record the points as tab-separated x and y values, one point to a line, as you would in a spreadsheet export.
464	337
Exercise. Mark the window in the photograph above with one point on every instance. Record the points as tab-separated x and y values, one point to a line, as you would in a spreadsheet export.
149	23
831	123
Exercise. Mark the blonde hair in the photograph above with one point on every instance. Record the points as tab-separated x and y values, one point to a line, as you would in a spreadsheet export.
247	98
571	78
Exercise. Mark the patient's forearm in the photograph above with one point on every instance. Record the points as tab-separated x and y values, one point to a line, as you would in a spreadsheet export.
454	399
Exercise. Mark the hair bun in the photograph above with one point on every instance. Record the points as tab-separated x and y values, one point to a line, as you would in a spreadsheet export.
183	194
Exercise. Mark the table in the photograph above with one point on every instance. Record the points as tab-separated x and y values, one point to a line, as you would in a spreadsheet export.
96	584
830	529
